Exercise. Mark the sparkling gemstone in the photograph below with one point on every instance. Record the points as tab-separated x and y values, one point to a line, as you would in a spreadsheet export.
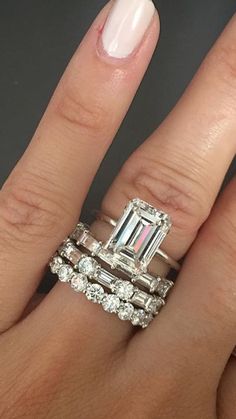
79	233
146	320
139	233
95	293
105	278
164	287
147	281
154	305
124	289
65	273
126	311
87	266
138	317
111	303
55	264
79	282
70	252
154	285
93	245
141	298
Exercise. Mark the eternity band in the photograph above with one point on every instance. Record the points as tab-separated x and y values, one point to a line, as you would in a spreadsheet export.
125	290
95	293
116	274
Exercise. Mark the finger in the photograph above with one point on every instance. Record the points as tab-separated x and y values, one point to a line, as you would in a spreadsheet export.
182	165
227	392
198	326
41	200
171	169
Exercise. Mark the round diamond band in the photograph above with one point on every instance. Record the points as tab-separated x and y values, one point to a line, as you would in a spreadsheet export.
116	274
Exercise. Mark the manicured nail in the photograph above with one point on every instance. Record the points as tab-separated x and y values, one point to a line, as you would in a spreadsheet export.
126	26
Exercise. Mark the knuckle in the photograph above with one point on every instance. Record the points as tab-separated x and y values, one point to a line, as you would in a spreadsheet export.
79	112
28	210
167	188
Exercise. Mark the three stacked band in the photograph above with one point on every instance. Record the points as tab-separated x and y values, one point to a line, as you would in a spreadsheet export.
116	274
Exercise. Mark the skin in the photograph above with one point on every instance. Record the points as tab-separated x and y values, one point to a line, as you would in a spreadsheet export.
67	358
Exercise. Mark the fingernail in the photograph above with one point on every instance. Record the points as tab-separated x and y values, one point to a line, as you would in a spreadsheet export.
126	25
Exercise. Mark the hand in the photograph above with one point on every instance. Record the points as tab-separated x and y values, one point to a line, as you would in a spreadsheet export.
68	358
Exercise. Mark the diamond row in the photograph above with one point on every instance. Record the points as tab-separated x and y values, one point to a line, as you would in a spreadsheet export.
83	237
125	290
111	303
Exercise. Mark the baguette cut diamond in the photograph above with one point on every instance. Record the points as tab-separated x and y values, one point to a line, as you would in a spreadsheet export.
138	234
70	252
164	287
105	278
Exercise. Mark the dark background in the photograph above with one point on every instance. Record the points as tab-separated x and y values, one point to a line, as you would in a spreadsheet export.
38	37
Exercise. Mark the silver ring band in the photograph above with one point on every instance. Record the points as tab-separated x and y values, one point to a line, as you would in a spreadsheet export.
95	293
133	243
125	290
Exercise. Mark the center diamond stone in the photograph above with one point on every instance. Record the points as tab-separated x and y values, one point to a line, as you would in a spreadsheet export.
138	234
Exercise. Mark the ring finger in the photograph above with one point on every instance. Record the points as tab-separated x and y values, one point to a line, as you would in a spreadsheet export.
181	167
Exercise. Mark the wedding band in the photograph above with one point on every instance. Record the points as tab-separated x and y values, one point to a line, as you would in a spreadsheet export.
133	243
95	293
124	289
141	226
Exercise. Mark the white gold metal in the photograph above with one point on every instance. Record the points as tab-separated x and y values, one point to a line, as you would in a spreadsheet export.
95	293
135	240
125	290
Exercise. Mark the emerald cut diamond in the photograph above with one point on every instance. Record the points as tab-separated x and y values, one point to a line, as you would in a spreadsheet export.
138	235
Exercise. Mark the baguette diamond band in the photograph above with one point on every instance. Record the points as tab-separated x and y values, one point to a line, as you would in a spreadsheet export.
115	274
125	290
83	237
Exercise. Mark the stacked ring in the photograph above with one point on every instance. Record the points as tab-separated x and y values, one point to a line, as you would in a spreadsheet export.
97	269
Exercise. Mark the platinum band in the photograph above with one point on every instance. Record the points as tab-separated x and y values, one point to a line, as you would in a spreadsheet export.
125	290
95	293
134	242
159	253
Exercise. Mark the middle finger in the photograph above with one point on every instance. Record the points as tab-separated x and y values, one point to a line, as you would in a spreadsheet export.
171	169
182	165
